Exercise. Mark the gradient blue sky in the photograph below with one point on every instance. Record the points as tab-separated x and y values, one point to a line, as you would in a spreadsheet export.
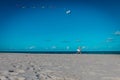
58	25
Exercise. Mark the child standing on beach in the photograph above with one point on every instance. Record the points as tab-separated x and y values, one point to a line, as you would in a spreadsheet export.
78	50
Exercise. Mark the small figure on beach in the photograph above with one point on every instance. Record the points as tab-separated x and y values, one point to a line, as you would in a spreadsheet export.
79	50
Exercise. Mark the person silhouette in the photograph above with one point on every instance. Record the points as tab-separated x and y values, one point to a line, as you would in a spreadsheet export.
79	50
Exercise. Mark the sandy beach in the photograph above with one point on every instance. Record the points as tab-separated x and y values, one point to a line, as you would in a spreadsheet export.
59	67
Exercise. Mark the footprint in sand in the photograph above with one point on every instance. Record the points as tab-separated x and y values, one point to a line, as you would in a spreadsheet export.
111	78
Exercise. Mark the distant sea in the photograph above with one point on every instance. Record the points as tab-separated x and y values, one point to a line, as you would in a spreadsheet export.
62	52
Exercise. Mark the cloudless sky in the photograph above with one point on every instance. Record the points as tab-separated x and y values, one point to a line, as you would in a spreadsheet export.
59	25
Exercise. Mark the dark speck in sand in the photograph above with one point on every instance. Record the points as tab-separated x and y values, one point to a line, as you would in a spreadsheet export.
11	71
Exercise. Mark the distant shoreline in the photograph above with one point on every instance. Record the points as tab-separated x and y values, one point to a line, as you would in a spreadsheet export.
63	52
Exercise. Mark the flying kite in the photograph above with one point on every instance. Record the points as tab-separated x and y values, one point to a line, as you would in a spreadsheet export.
68	11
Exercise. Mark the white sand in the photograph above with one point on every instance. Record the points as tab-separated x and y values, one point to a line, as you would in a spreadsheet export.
59	67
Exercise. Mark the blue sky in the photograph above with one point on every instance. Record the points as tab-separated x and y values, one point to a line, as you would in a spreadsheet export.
59	25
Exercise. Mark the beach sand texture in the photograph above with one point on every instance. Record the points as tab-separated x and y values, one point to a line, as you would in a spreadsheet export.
59	67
